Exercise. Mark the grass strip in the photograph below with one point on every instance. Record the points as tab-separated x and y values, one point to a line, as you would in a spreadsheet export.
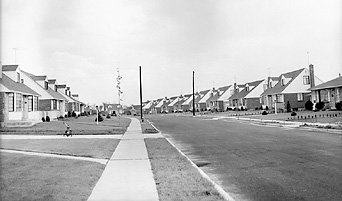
175	177
94	148
147	128
26	177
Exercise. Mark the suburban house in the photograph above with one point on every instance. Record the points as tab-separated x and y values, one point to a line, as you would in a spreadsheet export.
51	102
203	103
62	89
173	100
111	108
248	97
214	103
224	98
162	106
78	104
178	105
292	87
329	92
234	100
148	107
187	105
19	103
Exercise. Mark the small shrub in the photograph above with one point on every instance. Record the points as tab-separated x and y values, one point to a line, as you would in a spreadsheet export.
293	114
266	107
43	119
108	116
100	118
338	105
47	119
73	114
264	112
319	105
60	117
69	114
65	116
288	107
308	105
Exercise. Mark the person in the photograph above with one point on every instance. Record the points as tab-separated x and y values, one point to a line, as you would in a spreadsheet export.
68	131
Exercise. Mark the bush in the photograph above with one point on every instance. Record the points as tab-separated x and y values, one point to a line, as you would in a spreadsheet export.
319	105
266	107
73	114
99	117
288	107
108	116
264	112
47	119
293	114
69	114
308	105
338	105
43	119
60	117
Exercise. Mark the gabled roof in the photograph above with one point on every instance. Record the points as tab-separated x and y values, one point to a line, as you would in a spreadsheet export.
244	92
55	94
9	67
16	87
337	82
278	88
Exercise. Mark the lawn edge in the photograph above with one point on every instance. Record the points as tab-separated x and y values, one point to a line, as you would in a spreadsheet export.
220	190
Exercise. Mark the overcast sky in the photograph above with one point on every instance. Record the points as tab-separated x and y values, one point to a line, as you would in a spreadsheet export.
82	42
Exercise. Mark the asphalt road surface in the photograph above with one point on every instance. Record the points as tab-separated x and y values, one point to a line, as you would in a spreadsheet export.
255	162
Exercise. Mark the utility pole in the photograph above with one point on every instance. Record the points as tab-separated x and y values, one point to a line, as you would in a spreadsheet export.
193	93
141	110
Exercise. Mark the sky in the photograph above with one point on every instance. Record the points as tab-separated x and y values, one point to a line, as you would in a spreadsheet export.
82	43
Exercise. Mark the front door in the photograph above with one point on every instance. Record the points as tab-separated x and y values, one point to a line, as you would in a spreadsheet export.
25	108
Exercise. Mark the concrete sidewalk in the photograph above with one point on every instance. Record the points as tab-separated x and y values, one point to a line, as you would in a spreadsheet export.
128	175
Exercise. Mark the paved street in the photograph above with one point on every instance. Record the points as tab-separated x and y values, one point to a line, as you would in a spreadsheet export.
254	162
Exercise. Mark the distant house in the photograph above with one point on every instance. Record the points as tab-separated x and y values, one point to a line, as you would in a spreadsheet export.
172	102
234	100
162	106
203	103
329	92
19	103
111	108
224	98
215	103
292	87
248	96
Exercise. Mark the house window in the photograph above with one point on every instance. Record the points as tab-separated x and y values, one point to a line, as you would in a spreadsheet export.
11	102
231	91
282	82
306	79
35	103
46	85
280	98
300	97
324	95
265	87
18	102
54	102
30	103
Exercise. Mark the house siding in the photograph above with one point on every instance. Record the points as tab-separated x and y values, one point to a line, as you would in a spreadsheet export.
295	104
252	103
45	105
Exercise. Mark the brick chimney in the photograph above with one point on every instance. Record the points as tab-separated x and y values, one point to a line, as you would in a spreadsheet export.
312	75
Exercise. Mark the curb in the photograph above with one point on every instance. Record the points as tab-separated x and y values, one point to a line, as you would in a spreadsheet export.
220	190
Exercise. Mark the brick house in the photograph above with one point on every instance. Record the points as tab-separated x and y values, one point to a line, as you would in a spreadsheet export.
292	87
248	97
329	92
19	103
234	100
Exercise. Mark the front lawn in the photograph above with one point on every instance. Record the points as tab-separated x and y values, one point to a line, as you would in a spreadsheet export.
95	148
28	178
